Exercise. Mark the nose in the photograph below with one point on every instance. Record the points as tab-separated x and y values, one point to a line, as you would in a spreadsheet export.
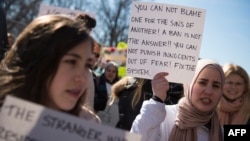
82	77
208	89
233	86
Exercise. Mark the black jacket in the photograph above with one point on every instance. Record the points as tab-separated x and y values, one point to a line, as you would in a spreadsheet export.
101	94
127	114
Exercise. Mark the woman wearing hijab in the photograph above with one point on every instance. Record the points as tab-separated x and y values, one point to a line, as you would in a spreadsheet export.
194	118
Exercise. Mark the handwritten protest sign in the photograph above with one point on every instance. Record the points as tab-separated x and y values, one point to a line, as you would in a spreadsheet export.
48	9
164	37
118	56
22	120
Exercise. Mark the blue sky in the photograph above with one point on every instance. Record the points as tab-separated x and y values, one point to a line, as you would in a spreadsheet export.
226	36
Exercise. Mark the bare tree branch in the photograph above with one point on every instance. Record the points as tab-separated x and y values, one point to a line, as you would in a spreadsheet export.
112	16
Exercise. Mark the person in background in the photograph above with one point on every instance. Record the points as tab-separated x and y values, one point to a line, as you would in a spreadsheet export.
93	82
131	92
99	64
194	118
103	87
48	68
234	107
97	56
107	113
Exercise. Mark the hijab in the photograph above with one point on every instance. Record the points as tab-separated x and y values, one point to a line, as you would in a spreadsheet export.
189	118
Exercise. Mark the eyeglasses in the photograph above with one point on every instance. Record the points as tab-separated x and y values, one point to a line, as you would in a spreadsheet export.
97	55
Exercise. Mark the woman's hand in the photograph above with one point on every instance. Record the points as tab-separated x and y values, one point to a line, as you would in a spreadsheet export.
160	85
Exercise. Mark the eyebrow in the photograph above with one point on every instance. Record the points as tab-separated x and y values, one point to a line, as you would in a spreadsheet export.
74	55
78	56
203	79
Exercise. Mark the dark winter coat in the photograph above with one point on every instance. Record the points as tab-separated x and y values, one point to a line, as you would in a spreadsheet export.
127	114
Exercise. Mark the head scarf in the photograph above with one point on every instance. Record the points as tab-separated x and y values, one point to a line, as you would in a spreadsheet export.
232	112
189	118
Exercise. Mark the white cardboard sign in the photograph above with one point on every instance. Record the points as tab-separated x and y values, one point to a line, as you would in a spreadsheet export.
22	120
164	38
48	9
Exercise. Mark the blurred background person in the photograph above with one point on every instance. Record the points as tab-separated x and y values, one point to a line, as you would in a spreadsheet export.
97	56
234	107
108	113
103	87
131	92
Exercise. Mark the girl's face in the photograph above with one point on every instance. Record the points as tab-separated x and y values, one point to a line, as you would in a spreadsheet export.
110	73
71	78
207	90
234	86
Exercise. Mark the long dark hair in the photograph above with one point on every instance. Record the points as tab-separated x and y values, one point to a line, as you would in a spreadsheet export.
31	64
3	32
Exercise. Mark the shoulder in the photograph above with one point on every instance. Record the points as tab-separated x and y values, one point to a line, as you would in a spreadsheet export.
131	81
122	84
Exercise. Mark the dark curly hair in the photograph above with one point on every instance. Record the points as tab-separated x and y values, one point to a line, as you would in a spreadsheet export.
87	20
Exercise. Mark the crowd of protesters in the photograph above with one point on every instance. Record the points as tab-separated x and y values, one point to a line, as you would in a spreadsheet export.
67	73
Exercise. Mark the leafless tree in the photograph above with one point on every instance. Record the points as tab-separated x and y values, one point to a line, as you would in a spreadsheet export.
113	19
19	13
112	16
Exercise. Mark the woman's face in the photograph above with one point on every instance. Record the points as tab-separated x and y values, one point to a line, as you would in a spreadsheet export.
71	78
234	86
207	90
110	73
